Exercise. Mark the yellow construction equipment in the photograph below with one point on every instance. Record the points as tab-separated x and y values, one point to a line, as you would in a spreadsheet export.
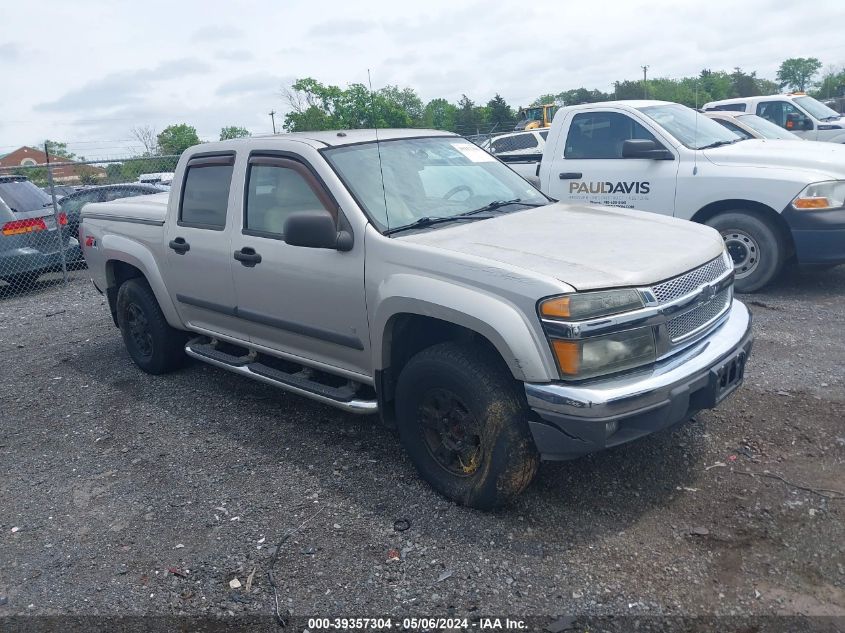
536	117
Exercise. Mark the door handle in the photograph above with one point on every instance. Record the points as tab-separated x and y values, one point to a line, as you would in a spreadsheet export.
569	175
180	245
248	257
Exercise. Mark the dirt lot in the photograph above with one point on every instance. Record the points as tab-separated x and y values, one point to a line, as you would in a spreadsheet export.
124	493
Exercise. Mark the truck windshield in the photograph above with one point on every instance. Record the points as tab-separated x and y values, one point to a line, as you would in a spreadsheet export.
817	109
766	128
691	128
427	178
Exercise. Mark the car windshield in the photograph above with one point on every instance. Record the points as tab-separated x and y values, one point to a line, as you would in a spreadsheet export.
402	181
22	195
691	128
766	128
817	108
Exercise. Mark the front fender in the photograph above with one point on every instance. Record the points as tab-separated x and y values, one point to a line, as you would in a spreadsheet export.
123	249
520	342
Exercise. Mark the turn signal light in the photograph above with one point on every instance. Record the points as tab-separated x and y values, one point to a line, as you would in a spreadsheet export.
19	227
812	203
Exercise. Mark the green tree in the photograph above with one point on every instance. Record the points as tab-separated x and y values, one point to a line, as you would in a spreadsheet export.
501	115
175	139
797	72
233	131
87	175
60	149
440	115
832	84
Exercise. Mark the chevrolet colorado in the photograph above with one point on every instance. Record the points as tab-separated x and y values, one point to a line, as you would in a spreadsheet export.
410	273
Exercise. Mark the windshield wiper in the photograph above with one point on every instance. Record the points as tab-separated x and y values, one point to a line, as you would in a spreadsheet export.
429	221
720	143
498	204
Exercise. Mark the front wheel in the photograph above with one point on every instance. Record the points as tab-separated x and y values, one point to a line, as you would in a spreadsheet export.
755	246
464	425
152	344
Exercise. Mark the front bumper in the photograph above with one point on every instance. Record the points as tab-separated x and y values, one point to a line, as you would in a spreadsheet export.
819	236
574	419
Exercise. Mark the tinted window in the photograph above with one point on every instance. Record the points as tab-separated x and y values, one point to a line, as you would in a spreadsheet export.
730	107
274	193
601	134
733	127
205	196
75	203
778	113
23	196
514	143
545	135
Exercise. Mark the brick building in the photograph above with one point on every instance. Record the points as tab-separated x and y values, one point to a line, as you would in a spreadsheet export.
30	156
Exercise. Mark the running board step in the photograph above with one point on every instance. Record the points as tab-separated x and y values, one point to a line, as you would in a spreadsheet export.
343	397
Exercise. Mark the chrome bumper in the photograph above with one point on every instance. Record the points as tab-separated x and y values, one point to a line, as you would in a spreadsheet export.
579	418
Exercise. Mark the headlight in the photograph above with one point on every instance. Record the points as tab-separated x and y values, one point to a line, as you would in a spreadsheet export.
600	355
820	196
589	305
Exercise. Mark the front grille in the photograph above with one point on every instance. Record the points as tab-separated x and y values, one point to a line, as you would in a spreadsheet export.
684	284
698	317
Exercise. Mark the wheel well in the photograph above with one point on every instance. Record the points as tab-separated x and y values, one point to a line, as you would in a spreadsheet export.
118	272
408	334
765	213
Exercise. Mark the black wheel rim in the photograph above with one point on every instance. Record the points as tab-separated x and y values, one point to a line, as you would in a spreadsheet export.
452	434
139	330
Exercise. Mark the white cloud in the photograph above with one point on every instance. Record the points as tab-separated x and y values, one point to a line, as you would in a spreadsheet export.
131	67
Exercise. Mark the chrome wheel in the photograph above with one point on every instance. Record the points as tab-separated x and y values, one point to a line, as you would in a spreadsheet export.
744	251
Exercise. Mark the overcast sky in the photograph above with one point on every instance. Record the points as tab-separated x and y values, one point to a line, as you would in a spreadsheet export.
86	72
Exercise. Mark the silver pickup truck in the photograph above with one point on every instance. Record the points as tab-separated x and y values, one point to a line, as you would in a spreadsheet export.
412	274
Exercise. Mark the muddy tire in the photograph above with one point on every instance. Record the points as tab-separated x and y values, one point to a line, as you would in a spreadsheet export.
755	246
463	422
152	344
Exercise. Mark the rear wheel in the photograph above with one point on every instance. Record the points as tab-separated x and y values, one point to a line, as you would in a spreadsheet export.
464	425
755	246
152	344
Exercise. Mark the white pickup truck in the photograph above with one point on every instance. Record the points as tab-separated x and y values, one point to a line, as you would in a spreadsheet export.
771	200
418	277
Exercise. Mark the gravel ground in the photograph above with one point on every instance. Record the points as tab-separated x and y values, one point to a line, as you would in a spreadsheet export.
124	493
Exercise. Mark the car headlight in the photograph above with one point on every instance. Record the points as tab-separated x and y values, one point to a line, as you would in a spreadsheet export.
580	358
595	356
589	305
820	196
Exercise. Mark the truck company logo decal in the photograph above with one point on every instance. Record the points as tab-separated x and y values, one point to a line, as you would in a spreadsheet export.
641	187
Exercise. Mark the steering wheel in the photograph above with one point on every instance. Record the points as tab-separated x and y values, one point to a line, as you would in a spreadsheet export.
454	190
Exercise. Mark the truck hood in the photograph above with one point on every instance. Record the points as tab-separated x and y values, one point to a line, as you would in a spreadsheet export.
827	159
587	247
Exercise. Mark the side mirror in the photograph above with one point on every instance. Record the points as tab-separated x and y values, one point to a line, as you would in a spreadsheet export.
644	148
316	229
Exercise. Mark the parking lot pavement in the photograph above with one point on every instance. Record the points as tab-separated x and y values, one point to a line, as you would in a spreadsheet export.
124	493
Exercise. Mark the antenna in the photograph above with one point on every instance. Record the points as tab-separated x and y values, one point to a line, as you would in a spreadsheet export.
695	139
378	147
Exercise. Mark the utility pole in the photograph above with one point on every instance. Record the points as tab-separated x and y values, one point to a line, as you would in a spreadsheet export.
273	119
645	82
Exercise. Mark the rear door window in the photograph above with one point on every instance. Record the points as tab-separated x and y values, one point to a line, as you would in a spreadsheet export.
514	143
205	192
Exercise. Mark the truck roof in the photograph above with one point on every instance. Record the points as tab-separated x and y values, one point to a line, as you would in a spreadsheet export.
631	103
328	138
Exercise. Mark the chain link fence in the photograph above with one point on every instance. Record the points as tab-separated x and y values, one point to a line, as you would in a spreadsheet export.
40	209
